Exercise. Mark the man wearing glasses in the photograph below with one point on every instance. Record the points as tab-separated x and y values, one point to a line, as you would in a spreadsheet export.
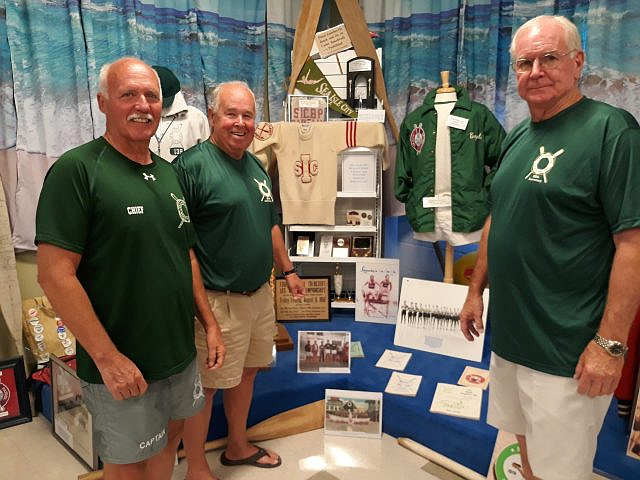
561	251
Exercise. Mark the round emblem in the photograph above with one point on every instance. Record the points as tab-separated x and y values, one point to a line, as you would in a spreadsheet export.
473	378
508	465
263	131
33	312
417	138
340	242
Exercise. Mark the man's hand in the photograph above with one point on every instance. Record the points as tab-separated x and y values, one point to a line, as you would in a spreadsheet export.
471	317
216	348
295	285
122	377
597	372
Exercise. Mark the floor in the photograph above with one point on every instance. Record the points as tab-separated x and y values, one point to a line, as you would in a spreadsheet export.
306	456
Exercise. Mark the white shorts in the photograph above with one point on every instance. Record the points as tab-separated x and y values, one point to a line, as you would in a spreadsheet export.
561	426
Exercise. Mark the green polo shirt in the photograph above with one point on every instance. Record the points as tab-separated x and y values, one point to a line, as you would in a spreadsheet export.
563	187
232	211
131	226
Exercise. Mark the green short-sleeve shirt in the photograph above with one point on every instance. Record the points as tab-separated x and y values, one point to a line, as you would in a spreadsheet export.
564	186
131	226
232	211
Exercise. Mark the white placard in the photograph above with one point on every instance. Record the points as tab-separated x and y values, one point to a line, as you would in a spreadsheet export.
457	122
359	172
436	201
457	401
326	246
403	384
371	115
332	41
393	360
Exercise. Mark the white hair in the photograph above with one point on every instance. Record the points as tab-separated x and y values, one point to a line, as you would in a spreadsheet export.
103	78
571	35
214	93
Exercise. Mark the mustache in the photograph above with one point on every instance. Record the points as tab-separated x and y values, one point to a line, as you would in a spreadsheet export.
140	116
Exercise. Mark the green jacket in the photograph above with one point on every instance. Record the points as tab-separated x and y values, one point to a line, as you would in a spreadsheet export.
474	153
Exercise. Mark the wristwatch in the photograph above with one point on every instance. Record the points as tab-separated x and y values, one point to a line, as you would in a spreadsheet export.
289	272
613	347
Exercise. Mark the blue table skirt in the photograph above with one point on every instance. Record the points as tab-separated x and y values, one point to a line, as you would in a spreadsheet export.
465	441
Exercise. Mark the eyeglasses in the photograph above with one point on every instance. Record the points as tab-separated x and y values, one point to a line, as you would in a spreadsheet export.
547	61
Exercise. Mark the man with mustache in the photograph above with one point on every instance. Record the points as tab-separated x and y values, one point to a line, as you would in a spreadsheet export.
229	196
115	259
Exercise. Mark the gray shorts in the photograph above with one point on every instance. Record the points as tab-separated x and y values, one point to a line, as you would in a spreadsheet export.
135	429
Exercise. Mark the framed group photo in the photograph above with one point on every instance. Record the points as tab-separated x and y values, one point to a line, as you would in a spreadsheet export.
14	398
324	351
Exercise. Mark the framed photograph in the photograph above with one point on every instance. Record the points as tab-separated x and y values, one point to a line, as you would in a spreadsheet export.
324	352
314	306
359	170
304	244
428	319
72	423
377	280
353	413
308	108
14	398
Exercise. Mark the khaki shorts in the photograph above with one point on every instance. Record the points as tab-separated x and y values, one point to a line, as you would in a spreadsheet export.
560	425
248	326
135	429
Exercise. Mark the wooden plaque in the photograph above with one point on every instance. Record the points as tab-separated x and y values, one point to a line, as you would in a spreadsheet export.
314	306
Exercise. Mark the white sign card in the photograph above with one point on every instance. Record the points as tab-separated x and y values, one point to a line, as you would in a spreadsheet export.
457	401
359	171
393	360
429	319
403	384
377	290
333	40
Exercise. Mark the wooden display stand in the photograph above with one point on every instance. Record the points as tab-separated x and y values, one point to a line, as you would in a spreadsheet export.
358	31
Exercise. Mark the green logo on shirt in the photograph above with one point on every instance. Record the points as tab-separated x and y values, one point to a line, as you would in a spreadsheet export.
542	165
181	205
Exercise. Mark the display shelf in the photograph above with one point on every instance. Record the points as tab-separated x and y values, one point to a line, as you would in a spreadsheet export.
351	305
301	259
356	195
333	228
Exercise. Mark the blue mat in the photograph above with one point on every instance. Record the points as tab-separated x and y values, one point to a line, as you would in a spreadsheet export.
465	441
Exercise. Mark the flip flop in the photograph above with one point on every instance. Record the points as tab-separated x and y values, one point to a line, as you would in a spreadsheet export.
251	460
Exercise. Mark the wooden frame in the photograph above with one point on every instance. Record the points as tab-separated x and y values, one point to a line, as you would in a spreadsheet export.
314	306
71	422
307	108
14	398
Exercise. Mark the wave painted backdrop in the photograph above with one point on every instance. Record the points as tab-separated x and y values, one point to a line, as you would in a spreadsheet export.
51	52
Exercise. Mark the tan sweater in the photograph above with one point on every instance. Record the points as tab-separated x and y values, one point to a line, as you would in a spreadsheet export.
307	155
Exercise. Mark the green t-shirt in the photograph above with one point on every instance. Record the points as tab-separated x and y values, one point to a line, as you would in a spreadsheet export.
232	211
131	226
564	186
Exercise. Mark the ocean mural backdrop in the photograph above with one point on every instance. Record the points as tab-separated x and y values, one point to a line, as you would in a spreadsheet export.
51	52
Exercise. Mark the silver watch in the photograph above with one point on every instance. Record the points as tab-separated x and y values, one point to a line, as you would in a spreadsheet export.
613	347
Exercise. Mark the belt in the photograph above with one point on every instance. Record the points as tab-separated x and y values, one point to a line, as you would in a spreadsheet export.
246	293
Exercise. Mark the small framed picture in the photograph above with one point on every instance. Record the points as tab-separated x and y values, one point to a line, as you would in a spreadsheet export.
72	423
314	306
353	413
14	398
308	108
359	170
324	352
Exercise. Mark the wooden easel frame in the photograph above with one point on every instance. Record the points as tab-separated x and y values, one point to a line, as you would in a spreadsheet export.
358	31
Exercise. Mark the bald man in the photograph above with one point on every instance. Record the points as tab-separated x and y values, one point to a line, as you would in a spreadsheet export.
115	258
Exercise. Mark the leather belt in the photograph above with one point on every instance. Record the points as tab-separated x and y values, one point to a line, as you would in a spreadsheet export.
246	293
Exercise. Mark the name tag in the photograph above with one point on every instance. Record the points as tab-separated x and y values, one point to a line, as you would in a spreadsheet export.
437	201
457	122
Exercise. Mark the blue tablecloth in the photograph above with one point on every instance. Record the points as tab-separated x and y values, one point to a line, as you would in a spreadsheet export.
465	441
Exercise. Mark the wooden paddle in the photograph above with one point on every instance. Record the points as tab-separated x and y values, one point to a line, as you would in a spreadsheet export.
298	420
